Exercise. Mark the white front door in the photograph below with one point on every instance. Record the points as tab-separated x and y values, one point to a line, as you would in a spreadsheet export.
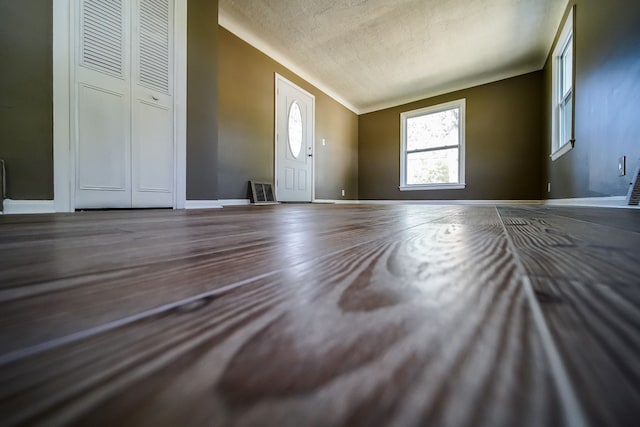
124	104
295	110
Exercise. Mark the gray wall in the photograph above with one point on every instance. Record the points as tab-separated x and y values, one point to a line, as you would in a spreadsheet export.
607	102
503	135
246	125
26	98
202	99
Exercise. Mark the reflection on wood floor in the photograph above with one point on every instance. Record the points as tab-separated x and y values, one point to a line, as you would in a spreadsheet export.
321	315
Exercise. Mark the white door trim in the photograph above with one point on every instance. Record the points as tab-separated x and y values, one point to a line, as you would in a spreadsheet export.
64	122
62	194
278	79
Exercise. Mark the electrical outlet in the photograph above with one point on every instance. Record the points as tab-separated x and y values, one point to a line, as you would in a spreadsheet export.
342	193
324	142
622	166
548	187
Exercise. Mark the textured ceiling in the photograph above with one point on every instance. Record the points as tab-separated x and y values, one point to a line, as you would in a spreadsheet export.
372	54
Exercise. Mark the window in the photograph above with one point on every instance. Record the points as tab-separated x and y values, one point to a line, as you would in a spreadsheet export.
432	147
562	139
295	129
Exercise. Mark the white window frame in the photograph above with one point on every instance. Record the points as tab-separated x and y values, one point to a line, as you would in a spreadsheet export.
461	105
558	146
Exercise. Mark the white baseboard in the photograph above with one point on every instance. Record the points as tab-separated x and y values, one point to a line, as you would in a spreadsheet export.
336	201
28	206
202	204
601	202
47	206
609	202
234	202
450	202
243	202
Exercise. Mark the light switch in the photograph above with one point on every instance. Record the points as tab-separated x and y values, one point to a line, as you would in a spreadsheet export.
622	166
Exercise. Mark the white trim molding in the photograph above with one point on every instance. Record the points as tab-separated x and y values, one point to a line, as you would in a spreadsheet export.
28	206
244	33
180	102
48	206
562	150
202	204
234	202
559	96
335	201
434	202
433	187
240	31
61	106
452	202
597	202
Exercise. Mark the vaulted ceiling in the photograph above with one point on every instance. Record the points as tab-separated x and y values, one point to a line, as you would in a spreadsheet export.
372	54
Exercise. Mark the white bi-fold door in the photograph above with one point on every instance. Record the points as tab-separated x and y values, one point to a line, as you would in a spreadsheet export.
124	104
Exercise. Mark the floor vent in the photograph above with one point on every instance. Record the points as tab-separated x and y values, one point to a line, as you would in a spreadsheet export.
633	197
262	193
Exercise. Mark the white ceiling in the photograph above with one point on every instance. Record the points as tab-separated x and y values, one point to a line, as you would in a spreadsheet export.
373	54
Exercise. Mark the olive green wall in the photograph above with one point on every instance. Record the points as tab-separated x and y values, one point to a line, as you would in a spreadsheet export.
202	99
503	134
26	98
246	125
607	102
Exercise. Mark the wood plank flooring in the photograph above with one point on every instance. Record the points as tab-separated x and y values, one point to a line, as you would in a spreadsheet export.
321	315
587	278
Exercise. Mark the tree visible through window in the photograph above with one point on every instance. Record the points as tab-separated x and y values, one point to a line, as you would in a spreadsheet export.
433	146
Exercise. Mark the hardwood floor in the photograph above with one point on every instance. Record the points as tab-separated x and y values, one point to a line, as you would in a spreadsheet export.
321	315
587	278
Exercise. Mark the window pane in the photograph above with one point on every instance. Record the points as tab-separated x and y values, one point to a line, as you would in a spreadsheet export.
433	167
565	120
295	129
567	67
433	130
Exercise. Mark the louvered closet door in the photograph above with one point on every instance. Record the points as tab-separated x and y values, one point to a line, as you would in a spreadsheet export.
124	104
152	101
102	131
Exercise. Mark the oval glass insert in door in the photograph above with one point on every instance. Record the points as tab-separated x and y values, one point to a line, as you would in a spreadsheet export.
295	129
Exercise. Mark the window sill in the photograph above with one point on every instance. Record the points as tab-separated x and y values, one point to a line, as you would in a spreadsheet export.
432	187
563	150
